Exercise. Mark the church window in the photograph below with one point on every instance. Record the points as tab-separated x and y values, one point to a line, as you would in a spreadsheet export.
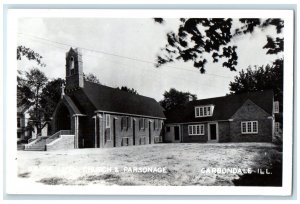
72	65
142	123
107	121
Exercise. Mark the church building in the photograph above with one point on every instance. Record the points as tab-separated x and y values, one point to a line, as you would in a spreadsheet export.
100	116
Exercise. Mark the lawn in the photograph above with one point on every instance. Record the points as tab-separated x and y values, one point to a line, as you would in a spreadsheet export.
167	164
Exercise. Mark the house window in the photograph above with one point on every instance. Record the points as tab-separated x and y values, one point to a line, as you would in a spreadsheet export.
107	121
276	107
196	129
204	111
19	122
19	135
277	127
249	127
168	129
142	123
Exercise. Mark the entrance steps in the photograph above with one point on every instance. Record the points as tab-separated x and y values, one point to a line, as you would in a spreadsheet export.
40	144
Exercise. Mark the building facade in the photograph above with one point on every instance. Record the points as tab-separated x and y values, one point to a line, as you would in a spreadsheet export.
100	116
248	117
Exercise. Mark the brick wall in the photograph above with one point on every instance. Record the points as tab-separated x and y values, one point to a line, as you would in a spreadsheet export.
123	136
194	138
224	131
251	112
170	135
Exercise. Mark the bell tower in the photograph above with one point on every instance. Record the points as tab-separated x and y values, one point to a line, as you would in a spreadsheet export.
74	69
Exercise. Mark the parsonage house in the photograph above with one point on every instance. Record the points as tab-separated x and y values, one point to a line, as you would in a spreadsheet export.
248	117
91	115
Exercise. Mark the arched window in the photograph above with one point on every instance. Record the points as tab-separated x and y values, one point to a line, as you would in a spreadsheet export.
72	65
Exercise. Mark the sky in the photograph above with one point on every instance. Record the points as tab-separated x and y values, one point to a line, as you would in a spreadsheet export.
120	52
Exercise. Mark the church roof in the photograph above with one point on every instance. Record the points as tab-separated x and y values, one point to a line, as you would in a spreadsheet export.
72	105
224	107
107	99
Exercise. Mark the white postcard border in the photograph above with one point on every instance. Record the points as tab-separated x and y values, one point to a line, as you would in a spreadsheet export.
13	186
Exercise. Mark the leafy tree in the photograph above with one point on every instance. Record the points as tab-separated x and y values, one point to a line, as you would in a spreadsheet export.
130	90
51	94
174	98
29	54
198	38
91	78
36	81
24	93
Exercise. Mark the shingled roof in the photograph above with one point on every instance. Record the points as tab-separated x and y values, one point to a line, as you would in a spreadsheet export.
224	107
107	99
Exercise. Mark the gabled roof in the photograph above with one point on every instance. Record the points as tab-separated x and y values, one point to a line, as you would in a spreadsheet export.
224	107
72	105
103	98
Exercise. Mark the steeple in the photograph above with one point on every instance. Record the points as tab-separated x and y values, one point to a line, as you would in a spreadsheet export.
74	69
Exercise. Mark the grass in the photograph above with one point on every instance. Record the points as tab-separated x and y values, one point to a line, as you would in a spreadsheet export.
183	163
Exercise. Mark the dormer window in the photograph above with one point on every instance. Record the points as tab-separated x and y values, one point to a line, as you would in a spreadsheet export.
72	65
204	111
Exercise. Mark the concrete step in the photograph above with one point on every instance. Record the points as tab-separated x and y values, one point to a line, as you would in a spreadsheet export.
35	149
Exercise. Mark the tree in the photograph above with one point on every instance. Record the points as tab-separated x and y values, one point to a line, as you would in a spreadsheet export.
174	98
129	90
36	81
198	38
51	94
91	78
29	54
24	93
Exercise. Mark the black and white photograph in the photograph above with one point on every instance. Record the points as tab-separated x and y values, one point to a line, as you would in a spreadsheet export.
126	99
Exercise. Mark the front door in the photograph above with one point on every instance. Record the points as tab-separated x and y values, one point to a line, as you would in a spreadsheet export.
176	132
213	132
